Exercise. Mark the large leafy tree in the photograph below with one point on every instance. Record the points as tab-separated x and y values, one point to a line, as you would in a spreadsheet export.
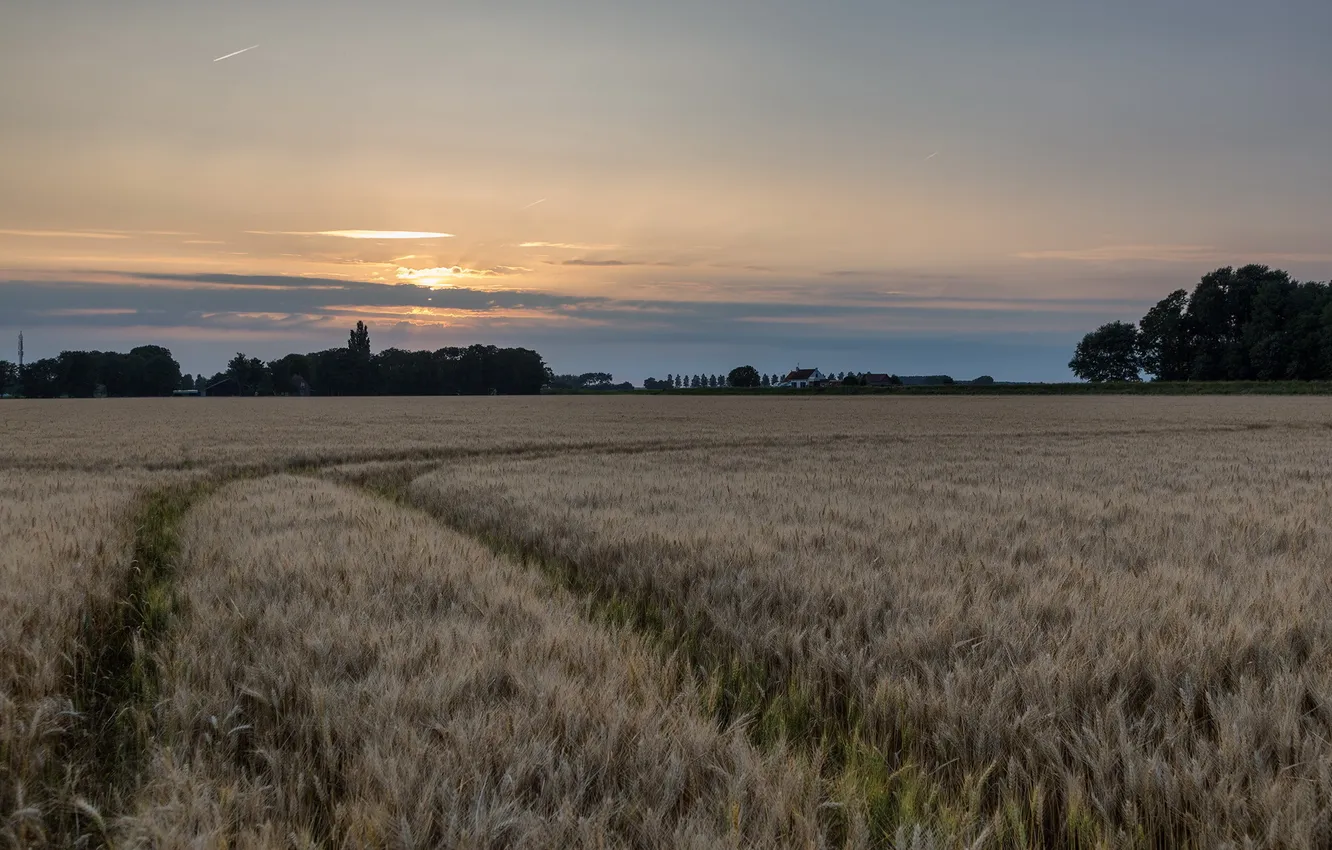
744	376
1218	315
290	372
1165	342
1109	353
252	375
79	372
157	372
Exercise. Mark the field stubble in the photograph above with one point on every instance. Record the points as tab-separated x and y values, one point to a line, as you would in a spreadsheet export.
270	434
1110	637
353	674
65	556
1016	621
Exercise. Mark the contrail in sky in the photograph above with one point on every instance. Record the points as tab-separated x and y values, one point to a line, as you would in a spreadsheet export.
933	155
237	53
534	203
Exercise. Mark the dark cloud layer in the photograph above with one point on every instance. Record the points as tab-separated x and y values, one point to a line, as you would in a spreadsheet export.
182	299
273	315
157	301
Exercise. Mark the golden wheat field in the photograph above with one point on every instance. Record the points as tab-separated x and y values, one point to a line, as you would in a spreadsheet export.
666	622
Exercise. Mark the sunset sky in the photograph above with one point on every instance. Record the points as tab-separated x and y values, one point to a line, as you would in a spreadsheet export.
954	186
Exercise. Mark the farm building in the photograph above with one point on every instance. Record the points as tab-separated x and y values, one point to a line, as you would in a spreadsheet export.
801	378
875	379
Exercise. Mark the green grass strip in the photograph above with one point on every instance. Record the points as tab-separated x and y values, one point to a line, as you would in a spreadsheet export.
114	672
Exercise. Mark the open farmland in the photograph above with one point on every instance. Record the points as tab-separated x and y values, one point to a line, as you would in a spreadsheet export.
667	621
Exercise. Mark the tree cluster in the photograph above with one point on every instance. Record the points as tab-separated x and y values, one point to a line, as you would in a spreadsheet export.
475	370
8	377
1252	323
586	381
150	370
740	376
744	376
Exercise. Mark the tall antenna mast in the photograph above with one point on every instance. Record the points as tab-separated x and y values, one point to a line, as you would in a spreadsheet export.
19	377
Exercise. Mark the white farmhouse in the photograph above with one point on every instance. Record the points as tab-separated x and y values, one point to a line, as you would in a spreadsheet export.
803	378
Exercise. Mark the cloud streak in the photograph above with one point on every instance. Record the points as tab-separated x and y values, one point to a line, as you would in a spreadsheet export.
1202	255
357	234
568	246
610	263
65	234
1127	253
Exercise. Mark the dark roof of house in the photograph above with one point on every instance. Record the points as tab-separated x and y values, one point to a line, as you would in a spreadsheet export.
800	375
878	378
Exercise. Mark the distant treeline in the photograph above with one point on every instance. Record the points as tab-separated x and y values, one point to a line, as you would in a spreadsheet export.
761	381
587	381
150	370
1248	324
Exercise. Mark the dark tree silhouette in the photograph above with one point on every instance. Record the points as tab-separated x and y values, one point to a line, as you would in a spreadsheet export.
358	342
744	376
587	380
1250	323
1109	353
1165	346
150	370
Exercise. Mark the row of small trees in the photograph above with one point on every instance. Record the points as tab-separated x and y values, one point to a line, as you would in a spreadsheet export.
742	376
1252	323
690	382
